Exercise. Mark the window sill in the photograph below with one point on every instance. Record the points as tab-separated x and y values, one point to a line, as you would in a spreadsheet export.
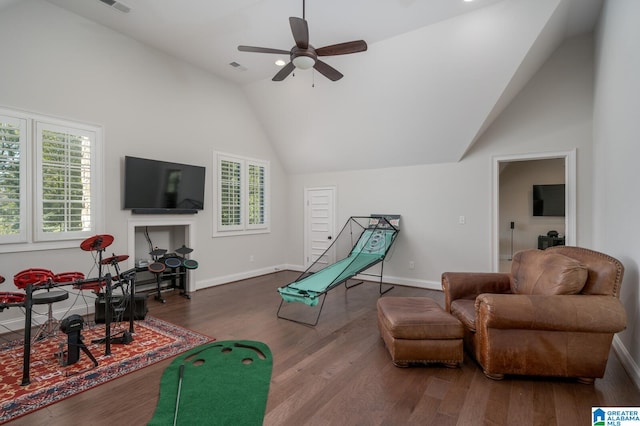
218	234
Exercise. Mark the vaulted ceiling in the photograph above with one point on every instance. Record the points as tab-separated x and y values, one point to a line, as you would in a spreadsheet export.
435	75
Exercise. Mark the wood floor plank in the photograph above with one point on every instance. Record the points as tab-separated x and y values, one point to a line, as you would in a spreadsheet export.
476	400
497	411
543	400
567	413
455	398
521	403
340	372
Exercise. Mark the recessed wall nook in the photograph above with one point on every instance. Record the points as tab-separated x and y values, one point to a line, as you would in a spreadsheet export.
164	233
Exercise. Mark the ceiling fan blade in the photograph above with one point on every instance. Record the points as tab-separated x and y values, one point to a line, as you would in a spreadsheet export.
328	71
300	31
284	72
342	48
262	50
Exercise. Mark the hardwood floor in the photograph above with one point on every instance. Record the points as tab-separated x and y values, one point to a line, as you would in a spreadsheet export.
339	372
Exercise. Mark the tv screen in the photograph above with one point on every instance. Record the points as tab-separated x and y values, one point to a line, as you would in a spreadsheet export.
152	186
548	200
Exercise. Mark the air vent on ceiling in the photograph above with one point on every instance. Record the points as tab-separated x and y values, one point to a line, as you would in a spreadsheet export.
238	66
116	5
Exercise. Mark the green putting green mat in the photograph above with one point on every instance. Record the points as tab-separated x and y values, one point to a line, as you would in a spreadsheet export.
220	383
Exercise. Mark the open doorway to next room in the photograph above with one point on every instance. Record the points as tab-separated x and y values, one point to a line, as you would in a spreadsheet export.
520	223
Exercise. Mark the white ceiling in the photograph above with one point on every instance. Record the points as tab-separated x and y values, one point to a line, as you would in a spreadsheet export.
435	75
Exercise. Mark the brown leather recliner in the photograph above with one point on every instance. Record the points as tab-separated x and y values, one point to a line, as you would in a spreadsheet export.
555	314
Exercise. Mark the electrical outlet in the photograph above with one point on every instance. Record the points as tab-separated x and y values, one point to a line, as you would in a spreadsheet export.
412	264
462	220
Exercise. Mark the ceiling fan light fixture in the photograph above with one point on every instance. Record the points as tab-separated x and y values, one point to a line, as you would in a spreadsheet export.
303	62
303	55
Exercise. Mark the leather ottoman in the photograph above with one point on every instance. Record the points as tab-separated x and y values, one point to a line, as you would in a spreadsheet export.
418	330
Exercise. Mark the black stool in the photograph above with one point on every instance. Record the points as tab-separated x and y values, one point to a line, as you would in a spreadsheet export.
48	328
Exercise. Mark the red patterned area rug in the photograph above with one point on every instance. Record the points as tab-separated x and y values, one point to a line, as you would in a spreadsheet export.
153	340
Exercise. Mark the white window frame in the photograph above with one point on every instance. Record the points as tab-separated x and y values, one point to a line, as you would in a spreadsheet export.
32	237
244	227
21	124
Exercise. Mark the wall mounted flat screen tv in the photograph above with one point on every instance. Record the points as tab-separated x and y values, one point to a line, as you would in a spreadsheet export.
548	200
161	187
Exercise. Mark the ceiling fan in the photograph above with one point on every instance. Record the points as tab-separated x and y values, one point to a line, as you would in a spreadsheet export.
304	56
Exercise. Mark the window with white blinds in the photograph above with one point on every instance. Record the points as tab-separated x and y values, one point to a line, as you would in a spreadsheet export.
64	181
56	164
13	208
230	194
242	195
256	191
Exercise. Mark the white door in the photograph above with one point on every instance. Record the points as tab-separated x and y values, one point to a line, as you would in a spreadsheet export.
319	223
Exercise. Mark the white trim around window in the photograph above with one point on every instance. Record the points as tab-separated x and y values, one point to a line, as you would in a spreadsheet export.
59	199
241	193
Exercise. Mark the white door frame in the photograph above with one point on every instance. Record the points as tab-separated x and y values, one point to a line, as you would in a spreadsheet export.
307	191
570	196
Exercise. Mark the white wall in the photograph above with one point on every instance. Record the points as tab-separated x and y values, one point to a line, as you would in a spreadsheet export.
552	114
151	106
617	150
430	200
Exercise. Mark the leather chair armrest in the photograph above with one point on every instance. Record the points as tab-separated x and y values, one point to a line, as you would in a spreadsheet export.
579	313
468	285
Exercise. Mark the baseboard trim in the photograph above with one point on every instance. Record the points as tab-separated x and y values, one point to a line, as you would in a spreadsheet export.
411	282
627	361
226	279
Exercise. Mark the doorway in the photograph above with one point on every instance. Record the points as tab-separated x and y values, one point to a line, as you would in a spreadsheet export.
319	223
502	222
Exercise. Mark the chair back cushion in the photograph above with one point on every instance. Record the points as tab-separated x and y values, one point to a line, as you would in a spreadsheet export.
546	273
605	272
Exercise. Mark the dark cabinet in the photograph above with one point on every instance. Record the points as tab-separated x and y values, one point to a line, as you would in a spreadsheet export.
544	241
